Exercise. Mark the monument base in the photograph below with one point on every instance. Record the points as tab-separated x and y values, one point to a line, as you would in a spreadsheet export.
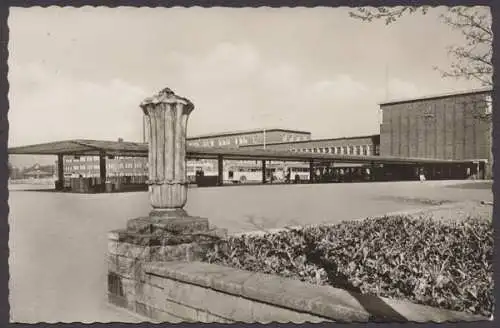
162	236
168	221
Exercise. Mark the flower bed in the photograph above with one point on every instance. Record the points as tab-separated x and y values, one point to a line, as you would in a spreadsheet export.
442	264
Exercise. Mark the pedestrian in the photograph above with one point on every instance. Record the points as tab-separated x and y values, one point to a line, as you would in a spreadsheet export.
422	176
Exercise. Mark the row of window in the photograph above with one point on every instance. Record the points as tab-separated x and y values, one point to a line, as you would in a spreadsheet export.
293	138
80	159
70	168
140	177
238	141
220	142
365	150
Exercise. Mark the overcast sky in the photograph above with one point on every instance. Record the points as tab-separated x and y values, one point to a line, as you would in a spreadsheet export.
81	73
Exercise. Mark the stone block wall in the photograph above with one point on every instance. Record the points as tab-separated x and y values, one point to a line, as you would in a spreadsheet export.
183	291
149	240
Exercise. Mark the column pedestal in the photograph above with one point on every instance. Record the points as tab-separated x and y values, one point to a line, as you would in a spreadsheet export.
168	233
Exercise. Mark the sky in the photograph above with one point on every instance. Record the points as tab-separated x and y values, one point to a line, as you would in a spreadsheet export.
82	72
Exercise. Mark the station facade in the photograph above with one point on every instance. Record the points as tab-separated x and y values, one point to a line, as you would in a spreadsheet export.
451	126
360	145
454	126
250	137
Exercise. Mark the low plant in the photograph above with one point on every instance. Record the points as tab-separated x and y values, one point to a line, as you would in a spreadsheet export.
430	262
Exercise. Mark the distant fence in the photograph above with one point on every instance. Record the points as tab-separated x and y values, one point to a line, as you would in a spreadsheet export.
41	181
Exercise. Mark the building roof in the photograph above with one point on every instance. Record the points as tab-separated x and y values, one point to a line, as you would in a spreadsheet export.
241	132
438	96
83	147
133	149
310	140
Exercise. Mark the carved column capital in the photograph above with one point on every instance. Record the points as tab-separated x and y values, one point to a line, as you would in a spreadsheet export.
167	115
168	97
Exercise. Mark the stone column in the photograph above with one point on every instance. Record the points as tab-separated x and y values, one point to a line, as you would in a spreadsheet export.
264	172
102	171
60	172
167	116
168	233
311	171
220	170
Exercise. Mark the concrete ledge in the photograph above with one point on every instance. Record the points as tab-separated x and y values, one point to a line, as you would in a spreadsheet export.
214	289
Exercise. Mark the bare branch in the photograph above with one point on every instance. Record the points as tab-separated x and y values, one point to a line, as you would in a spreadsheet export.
390	15
472	61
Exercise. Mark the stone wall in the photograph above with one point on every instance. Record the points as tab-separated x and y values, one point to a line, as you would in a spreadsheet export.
177	291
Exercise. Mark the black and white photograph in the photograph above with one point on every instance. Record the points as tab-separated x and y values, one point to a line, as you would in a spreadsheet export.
255	165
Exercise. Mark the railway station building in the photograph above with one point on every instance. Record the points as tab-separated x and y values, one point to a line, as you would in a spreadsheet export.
446	127
454	126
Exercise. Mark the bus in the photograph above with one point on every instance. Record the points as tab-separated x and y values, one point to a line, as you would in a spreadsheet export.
251	173
243	173
296	172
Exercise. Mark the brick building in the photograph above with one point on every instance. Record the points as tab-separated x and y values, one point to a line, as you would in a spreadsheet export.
249	137
359	145
240	138
447	126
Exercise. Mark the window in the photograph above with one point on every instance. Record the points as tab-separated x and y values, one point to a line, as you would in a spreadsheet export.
358	150
365	150
321	150
344	150
327	150
351	150
315	150
489	105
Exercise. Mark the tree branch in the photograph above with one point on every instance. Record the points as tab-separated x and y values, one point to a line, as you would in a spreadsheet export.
472	61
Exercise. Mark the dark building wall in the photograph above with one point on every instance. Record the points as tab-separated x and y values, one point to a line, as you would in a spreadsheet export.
448	127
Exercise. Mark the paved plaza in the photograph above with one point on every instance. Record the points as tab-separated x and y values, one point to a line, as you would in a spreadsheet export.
58	241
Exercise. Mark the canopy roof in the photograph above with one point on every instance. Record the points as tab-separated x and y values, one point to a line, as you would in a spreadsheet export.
81	147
